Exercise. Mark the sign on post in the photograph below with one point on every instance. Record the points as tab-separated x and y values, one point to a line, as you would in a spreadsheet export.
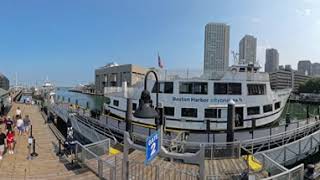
152	147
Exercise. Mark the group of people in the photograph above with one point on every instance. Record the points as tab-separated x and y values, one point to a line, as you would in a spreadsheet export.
7	135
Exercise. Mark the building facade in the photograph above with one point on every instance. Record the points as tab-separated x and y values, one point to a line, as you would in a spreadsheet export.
282	79
272	60
216	50
4	82
248	49
114	75
304	67
315	69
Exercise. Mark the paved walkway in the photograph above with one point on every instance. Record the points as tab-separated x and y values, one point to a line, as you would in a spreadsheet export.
47	165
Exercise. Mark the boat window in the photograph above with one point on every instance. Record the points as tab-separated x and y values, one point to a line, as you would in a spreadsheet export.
169	111
115	102
212	113
256	89
164	87
267	108
220	88
200	88
189	112
227	88
134	106
277	105
242	69
253	110
193	88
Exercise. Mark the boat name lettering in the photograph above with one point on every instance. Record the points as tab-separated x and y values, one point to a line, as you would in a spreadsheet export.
205	100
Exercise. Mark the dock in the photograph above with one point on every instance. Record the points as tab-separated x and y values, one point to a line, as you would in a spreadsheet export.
47	165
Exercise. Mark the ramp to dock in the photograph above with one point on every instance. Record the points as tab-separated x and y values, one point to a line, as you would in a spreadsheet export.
47	165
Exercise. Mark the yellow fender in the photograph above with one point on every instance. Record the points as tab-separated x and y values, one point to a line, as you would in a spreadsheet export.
113	151
253	163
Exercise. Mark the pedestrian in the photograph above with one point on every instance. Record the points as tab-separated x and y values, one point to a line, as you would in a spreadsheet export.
2	143
18	112
20	125
2	108
9	123
10	141
27	123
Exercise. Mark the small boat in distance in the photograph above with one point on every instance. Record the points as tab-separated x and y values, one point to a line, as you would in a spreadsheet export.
189	104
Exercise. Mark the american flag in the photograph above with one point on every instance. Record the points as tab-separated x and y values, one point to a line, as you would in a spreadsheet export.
160	64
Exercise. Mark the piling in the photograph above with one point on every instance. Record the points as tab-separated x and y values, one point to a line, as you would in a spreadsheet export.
129	115
230	119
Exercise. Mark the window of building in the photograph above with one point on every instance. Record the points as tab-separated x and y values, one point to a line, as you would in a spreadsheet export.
189	112
277	105
267	108
115	102
256	89
193	88
169	111
212	113
134	106
253	110
164	87
227	88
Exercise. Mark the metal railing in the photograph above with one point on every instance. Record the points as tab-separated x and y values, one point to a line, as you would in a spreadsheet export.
138	170
91	157
276	171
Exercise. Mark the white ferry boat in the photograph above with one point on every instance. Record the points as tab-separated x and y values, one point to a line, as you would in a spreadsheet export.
190	103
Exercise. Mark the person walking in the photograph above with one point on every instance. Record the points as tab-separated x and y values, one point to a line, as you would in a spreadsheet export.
9	123
2	143
20	125
18	112
27	123
10	141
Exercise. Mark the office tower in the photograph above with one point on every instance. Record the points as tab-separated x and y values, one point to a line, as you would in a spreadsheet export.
248	49
304	67
216	49
272	60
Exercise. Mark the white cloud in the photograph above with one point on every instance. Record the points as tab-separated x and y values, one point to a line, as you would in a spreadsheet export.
304	12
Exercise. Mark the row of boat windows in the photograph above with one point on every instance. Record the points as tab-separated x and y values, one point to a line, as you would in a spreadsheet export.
202	88
210	112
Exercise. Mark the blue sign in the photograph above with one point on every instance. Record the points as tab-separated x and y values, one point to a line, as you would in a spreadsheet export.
152	147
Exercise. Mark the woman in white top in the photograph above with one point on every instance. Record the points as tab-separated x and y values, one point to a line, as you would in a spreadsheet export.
20	125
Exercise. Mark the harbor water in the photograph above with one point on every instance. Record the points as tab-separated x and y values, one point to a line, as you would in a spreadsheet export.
84	100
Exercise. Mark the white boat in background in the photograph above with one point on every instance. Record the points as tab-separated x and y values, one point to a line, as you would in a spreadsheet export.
189	103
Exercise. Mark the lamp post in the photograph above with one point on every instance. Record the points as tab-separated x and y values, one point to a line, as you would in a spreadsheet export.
146	109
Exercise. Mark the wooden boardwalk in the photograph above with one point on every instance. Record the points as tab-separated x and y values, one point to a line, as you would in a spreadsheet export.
47	165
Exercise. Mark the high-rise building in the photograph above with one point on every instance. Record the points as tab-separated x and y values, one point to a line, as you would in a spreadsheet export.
315	69
272	60
304	67
248	49
216	50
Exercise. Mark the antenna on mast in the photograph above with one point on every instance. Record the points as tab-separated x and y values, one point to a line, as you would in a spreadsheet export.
235	57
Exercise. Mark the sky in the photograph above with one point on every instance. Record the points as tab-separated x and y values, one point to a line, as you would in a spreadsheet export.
66	40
